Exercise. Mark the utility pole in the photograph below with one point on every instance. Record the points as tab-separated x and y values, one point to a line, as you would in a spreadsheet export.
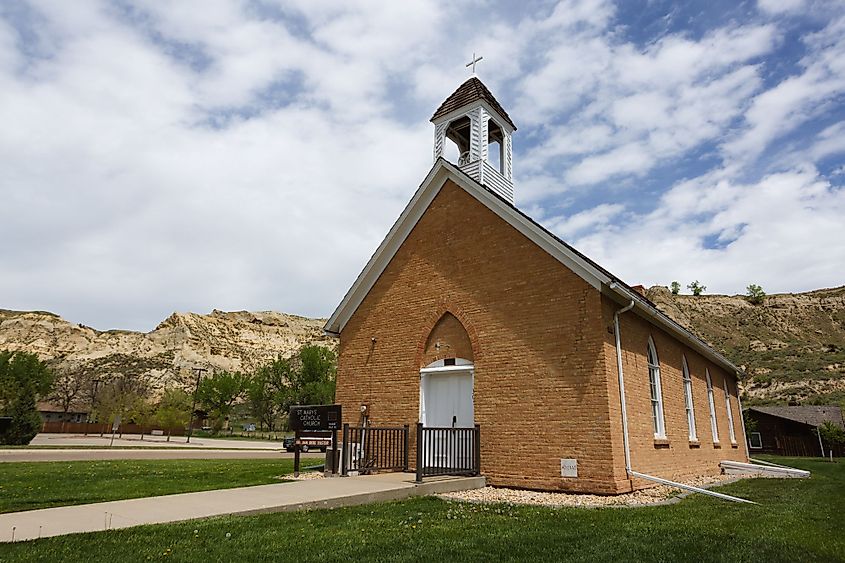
199	372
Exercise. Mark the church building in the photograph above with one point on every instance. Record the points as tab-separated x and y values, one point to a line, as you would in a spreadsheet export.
471	313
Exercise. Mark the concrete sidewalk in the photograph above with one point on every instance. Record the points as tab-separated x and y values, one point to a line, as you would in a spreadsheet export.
43	454
134	440
297	495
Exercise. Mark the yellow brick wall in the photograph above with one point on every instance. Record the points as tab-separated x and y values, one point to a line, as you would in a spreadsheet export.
545	365
679	458
535	329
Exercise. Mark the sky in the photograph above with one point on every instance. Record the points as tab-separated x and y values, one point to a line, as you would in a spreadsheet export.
252	155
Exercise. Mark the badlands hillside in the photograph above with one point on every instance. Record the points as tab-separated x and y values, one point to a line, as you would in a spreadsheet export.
238	341
792	345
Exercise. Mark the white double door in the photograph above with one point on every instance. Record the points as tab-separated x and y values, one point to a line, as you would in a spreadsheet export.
446	402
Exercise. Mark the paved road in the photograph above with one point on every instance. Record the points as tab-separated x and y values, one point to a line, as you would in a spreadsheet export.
63	440
43	454
279	497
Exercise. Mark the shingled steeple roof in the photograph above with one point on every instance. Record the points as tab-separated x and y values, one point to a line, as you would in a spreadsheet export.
470	91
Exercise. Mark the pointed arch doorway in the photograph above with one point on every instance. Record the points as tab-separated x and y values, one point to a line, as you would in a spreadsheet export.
446	393
446	413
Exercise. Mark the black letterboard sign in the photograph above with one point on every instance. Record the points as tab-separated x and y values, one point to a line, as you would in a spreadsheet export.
315	417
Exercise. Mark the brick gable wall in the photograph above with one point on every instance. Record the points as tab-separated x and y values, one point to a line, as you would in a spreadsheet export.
535	328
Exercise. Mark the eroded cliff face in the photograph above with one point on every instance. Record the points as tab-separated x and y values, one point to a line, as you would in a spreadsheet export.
237	341
792	345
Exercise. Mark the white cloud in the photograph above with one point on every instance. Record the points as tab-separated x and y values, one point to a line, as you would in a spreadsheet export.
781	6
782	232
252	155
597	217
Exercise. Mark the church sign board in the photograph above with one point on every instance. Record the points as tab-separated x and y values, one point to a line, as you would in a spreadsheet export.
316	425
315	418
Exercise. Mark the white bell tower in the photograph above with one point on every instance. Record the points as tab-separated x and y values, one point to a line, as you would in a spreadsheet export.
473	119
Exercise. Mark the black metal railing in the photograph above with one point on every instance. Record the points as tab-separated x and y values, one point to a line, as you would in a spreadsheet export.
448	451
371	448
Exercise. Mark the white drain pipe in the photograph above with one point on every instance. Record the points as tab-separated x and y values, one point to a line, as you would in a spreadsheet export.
630	472
622	382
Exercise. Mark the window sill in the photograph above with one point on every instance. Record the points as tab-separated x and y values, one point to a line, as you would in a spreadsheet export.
734	445
694	444
661	442
717	445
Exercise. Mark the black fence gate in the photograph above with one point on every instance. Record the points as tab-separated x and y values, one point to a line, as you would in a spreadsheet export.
448	451
369	448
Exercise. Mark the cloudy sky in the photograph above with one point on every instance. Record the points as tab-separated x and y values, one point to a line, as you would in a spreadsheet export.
190	155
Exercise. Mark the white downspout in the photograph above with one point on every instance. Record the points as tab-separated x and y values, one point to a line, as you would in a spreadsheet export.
630	472
622	385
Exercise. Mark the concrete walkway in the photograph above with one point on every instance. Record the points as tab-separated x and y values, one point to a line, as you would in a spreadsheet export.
43	454
281	497
134	440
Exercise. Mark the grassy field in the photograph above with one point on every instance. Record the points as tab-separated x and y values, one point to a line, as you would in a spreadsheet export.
797	520
27	486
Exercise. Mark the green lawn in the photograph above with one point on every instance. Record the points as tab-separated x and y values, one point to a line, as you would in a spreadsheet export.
797	520
31	485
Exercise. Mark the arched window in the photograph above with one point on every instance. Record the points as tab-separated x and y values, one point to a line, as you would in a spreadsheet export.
688	400
731	432
656	392
713	427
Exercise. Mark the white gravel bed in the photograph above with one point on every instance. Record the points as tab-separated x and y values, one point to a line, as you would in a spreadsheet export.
303	476
644	497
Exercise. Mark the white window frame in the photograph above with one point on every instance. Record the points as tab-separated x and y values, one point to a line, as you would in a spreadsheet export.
751	436
714	428
688	402
655	391
731	432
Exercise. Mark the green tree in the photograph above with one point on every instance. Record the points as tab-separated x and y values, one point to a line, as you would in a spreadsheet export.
23	379
312	379
219	393
756	295
831	434
267	389
696	288
173	410
118	398
141	412
676	288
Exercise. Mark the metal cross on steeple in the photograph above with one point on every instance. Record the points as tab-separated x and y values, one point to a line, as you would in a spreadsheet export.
473	61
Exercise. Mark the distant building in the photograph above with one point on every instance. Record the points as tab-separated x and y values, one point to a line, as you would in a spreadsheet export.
54	413
791	430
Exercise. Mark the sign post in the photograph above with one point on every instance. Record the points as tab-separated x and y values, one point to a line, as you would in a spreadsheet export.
115	425
315	421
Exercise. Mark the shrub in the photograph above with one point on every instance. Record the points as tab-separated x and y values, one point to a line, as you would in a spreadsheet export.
676	288
832	434
756	295
696	287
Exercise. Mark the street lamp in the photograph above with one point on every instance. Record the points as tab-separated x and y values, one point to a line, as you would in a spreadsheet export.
199	372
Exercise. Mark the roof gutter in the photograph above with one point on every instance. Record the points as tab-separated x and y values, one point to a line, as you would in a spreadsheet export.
626	445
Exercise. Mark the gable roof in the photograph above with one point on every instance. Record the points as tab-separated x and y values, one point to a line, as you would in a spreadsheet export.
470	91
811	415
581	265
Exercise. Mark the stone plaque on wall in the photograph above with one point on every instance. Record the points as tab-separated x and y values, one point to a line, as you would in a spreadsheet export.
569	468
